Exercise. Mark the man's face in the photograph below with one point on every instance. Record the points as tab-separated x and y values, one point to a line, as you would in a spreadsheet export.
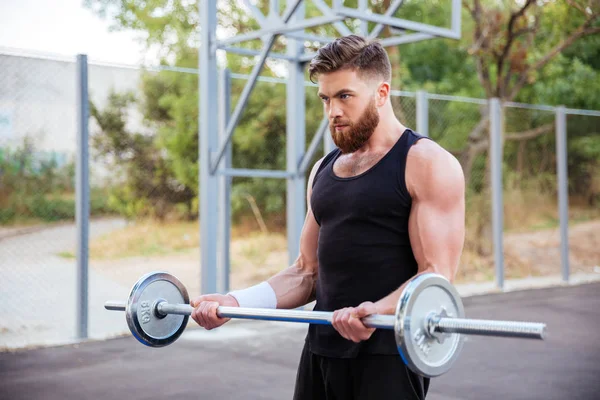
349	103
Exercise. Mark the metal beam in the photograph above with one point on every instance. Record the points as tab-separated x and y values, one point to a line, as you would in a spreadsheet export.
455	24
388	13
308	36
328	144
254	173
422	113
295	143
237	113
82	205
340	26
281	29
398	23
563	188
387	42
312	148
495	153
274	8
208	141
408	38
256	13
224	197
249	52
363	5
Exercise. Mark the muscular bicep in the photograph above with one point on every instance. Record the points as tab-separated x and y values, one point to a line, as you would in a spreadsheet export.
437	220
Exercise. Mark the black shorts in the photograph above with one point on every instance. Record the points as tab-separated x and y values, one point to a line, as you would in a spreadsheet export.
365	377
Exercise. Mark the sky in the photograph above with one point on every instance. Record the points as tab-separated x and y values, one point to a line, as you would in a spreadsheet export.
66	28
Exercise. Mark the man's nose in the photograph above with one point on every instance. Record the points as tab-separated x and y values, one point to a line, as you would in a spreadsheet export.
334	111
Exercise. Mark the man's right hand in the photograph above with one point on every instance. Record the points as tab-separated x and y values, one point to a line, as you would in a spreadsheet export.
205	309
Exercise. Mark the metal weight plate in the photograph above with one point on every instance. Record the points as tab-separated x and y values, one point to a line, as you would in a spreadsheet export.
424	354
146	326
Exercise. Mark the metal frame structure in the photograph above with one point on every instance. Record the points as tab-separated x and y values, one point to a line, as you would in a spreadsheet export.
214	142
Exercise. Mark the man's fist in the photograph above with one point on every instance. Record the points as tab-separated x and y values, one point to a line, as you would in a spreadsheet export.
347	321
205	309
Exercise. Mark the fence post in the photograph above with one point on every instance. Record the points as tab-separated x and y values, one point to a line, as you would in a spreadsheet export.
82	190
563	188
422	113
496	127
224	224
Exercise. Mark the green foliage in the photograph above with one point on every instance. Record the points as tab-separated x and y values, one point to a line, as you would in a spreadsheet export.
584	167
143	183
34	186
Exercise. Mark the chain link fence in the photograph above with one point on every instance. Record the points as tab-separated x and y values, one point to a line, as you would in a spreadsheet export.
144	184
530	192
37	124
583	143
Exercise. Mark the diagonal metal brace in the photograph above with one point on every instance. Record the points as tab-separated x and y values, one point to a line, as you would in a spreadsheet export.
312	148
239	108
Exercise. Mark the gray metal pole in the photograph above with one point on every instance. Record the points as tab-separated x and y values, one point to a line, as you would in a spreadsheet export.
224	201
563	188
328	144
295	143
363	6
82	190
208	142
496	175
422	113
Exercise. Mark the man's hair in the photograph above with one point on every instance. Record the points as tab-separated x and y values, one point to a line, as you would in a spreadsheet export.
367	57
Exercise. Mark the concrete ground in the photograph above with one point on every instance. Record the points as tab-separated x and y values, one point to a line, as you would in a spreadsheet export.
258	360
38	287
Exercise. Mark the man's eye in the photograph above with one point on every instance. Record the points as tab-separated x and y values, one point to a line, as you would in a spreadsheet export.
324	99
344	96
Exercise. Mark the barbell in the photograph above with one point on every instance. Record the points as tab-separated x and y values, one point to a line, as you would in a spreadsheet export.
428	324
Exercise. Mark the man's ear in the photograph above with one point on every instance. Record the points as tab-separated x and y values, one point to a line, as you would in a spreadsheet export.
383	92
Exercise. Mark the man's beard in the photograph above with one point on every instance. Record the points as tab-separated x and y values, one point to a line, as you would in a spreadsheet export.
355	135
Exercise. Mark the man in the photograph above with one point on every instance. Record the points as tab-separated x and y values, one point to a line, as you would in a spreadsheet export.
383	208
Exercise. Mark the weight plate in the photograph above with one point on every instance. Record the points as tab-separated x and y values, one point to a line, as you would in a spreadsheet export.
422	353
145	325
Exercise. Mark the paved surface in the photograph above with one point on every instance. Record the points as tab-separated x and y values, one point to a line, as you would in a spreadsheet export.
258	360
38	288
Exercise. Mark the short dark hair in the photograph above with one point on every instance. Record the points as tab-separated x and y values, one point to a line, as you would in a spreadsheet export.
353	52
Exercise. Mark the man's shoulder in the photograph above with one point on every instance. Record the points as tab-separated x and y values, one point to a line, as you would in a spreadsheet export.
429	153
431	166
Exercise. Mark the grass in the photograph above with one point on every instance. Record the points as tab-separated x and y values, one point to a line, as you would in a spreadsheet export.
256	256
147	238
66	254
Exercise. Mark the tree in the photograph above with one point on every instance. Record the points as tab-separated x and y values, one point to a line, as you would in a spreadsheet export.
512	43
144	185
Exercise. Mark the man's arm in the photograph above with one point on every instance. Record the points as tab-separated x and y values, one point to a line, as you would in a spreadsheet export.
436	183
293	287
436	227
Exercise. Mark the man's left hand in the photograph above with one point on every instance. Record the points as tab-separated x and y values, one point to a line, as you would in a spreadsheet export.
347	321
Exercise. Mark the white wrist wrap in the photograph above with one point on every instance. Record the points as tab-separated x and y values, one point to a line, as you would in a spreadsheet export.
257	296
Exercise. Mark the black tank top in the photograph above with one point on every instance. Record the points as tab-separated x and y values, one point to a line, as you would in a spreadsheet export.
364	249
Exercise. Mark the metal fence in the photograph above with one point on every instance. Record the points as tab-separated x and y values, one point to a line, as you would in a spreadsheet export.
143	185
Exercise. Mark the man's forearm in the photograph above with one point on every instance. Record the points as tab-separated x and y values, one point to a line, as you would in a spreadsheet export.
294	286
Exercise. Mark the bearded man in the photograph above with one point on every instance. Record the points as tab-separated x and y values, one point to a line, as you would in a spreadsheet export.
385	206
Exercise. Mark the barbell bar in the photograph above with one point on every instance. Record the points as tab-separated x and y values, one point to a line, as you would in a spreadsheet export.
428	322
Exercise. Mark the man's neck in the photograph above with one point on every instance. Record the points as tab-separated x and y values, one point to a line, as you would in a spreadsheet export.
384	137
